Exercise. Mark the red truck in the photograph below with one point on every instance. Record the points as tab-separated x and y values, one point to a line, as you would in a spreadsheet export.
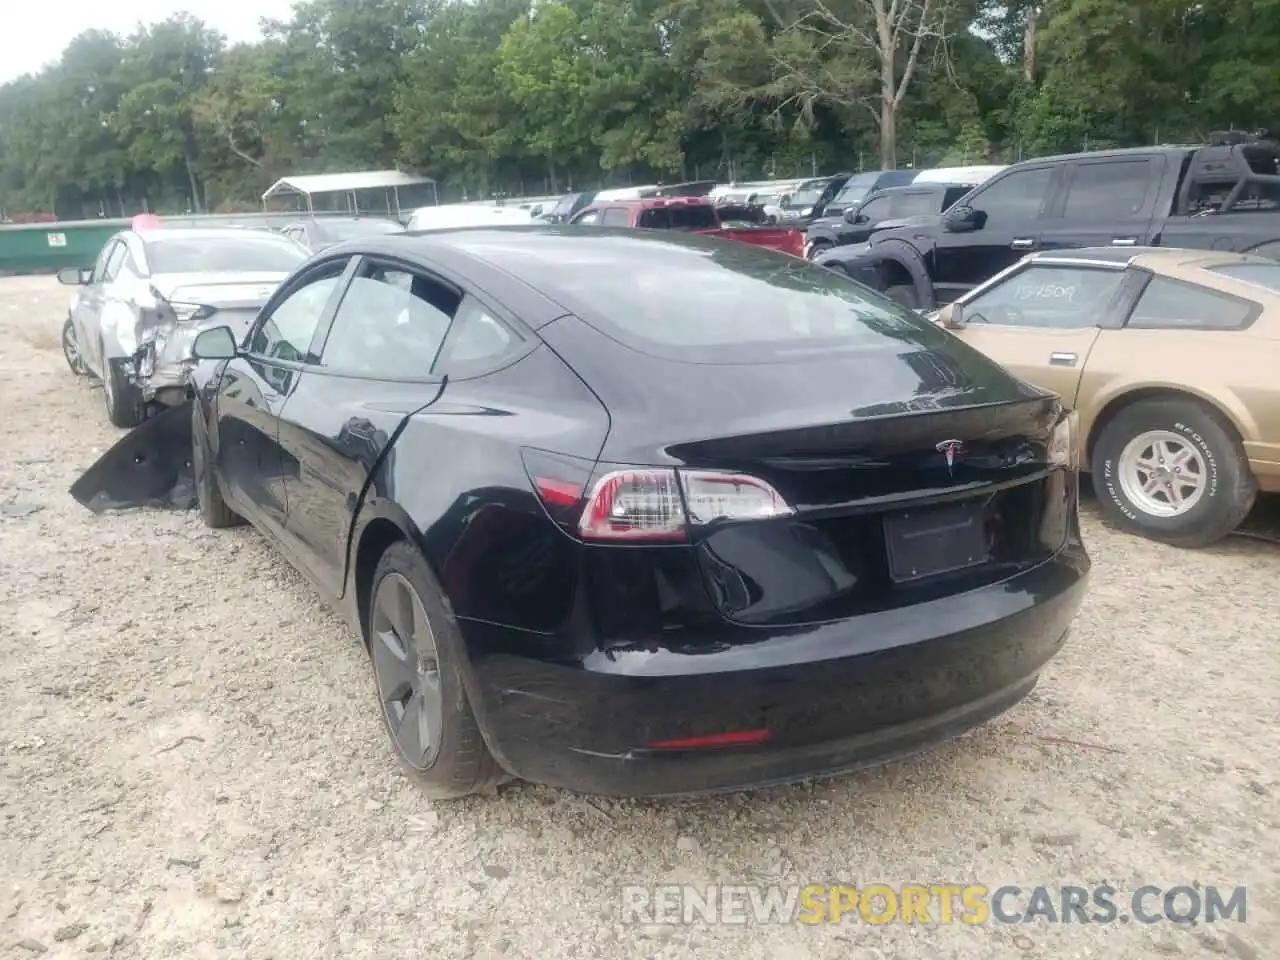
693	214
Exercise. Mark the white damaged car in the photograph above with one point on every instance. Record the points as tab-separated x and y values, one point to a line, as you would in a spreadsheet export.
137	310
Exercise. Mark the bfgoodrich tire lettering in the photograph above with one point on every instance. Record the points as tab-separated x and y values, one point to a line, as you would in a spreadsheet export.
1228	486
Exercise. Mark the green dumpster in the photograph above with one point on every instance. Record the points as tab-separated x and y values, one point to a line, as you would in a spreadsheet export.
46	247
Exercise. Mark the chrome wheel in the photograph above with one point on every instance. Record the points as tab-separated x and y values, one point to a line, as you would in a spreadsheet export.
407	671
1162	473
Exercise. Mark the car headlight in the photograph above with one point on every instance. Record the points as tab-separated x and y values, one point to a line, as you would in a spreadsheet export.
1063	449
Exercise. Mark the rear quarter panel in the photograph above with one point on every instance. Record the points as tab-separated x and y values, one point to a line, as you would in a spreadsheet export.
1232	371
787	239
457	475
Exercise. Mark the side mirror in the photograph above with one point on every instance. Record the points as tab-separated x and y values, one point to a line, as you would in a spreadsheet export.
952	316
962	218
216	343
75	276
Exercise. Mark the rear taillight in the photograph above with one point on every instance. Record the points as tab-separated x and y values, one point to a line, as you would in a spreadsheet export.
619	504
660	505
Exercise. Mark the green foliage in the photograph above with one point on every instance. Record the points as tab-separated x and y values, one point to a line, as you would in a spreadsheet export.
493	96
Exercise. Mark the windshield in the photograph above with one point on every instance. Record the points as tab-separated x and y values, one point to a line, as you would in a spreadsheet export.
204	254
854	191
1261	274
696	300
352	229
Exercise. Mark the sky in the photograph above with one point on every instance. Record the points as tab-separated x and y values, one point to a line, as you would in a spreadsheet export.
38	36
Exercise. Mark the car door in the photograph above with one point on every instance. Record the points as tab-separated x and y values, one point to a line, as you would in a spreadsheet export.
87	317
254	388
871	212
374	369
1041	322
1107	202
1010	213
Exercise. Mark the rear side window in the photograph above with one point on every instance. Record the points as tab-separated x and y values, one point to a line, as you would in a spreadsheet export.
915	204
1115	190
1174	305
389	326
1262	274
616	217
876	209
684	217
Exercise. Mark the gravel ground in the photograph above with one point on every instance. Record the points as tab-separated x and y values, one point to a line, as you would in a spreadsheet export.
193	766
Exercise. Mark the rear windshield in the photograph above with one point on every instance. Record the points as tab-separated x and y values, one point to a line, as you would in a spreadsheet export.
1261	274
693	217
726	302
245	254
353	229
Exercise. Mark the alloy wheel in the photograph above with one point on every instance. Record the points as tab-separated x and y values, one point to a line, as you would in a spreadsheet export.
1162	473
72	349
406	670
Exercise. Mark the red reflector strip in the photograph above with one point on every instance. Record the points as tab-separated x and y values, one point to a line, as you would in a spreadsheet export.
559	492
730	738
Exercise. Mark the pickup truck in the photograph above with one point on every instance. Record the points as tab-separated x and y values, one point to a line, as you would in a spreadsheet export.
1223	196
693	214
883	210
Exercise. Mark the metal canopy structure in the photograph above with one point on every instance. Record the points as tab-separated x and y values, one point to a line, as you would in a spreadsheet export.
375	191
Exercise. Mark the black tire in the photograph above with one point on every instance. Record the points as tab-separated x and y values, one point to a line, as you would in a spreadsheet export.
819	247
455	762
904	294
71	349
1229	487
125	406
213	509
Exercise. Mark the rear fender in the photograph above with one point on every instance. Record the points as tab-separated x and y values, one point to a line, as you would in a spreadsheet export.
150	466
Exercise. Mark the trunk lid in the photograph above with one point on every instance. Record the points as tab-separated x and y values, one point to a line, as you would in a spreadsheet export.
220	290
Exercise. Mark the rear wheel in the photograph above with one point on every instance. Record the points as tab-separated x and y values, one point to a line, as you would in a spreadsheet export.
414	649
125	406
1171	470
904	294
213	509
71	349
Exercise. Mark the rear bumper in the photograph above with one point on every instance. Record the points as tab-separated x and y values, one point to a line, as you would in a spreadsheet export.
833	697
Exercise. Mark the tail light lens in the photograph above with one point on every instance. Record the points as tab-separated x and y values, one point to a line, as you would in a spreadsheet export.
1063	448
614	503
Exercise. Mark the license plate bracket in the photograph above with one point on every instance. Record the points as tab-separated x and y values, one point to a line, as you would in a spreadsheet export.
932	541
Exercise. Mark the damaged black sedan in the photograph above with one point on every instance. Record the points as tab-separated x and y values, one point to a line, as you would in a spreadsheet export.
152	290
635	514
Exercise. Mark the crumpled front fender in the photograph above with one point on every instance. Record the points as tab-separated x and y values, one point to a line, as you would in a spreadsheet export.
149	467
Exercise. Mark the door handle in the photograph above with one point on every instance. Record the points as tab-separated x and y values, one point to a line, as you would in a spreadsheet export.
1063	359
1023	243
1124	241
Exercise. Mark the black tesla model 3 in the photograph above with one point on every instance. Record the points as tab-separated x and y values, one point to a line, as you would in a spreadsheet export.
635	513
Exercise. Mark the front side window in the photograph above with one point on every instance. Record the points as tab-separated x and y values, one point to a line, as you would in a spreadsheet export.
1168	304
873	211
286	334
1059	297
389	326
1015	198
1114	190
114	261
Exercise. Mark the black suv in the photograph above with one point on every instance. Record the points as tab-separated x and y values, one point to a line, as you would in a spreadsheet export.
1224	196
883	210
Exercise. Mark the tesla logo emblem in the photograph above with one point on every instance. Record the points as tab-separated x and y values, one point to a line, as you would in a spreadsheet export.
950	449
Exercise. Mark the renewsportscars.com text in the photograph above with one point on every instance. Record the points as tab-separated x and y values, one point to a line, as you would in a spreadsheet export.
934	903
